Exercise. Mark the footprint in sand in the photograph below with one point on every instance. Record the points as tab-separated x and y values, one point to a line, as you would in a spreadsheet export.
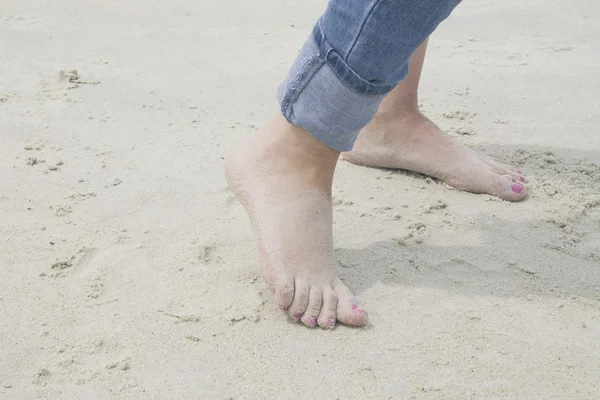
65	266
95	289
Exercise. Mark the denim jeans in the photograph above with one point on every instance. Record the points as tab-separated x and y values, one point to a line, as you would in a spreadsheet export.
357	52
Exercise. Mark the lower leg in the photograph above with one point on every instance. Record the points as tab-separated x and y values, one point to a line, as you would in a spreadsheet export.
404	98
399	136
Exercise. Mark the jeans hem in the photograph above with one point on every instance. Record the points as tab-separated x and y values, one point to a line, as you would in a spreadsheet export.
341	68
314	98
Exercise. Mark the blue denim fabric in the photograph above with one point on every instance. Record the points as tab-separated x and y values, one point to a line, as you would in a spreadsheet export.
357	53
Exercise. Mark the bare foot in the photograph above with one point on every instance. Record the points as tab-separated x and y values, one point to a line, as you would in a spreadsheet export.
416	144
283	176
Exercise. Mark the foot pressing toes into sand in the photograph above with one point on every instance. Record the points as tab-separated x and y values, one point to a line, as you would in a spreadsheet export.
416	144
283	176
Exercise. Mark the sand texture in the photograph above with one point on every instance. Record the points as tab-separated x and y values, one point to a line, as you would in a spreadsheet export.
127	267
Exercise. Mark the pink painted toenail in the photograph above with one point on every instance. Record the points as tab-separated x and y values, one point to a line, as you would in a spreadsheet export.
331	322
284	308
312	321
297	316
522	178
356	308
517	188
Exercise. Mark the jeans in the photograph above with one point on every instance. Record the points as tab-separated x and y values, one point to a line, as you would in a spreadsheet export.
357	52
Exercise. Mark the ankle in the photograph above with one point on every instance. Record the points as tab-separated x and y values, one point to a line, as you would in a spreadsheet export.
398	115
298	143
295	153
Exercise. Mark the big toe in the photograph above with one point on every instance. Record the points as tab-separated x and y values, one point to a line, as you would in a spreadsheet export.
349	312
505	188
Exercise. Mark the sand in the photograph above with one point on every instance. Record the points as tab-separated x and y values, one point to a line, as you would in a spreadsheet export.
127	266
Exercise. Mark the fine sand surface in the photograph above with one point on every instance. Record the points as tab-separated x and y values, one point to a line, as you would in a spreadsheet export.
127	266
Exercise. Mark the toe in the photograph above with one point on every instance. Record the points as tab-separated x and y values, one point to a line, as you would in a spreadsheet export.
284	293
494	163
300	301
348	310
506	189
516	177
315	301
327	317
507	172
512	168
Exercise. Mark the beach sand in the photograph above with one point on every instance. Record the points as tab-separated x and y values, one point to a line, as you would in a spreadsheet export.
127	265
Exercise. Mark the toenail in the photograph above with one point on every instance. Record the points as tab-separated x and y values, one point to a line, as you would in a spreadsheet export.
297	316
312	321
517	188
356	308
519	171
331	322
522	178
284	308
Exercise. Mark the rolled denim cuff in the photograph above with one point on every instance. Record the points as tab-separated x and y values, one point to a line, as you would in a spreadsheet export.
323	95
